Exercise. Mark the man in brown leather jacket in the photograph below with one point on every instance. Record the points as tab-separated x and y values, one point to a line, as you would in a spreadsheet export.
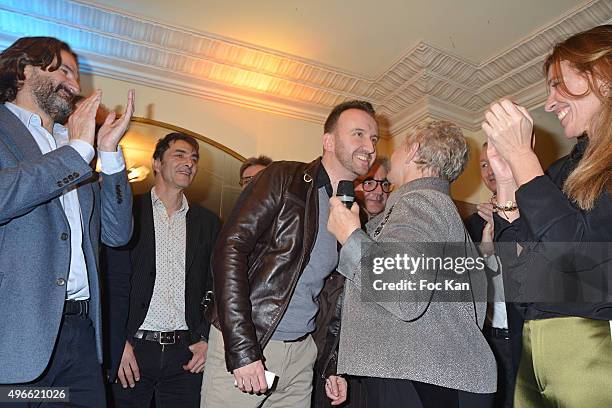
269	266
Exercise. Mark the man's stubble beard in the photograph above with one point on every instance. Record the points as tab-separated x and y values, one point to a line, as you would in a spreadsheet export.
345	157
49	101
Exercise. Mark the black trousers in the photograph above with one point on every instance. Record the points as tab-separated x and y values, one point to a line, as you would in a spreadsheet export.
161	376
506	373
396	393
356	397
74	365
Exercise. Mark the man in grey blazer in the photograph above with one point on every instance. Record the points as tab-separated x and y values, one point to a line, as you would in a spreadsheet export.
54	209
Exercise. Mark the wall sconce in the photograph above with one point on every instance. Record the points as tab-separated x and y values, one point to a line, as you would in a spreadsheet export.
137	173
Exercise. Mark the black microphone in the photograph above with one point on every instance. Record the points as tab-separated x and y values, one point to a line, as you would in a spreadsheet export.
346	193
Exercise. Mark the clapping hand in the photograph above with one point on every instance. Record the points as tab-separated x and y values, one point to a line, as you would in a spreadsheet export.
113	129
510	129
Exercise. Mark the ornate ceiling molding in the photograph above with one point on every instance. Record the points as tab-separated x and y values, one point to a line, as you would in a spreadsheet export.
425	82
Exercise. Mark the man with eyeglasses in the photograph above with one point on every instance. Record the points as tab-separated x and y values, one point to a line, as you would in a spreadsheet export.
252	167
372	190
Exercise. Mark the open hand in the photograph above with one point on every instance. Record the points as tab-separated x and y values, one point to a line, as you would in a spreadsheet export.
510	128
113	129
82	122
128	372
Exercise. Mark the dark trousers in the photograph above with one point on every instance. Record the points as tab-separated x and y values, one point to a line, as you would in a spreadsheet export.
356	394
161	375
506	373
391	392
74	365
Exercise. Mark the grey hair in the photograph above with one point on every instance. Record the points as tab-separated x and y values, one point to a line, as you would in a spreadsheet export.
442	148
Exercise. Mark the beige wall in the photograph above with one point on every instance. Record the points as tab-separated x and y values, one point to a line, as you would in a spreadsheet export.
250	132
550	145
247	131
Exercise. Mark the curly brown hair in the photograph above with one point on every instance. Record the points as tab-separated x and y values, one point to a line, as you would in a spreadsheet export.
43	52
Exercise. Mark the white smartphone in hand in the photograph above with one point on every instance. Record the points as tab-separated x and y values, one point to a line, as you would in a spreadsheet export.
270	376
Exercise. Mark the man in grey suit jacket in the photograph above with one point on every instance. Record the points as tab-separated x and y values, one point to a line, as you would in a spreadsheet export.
53	211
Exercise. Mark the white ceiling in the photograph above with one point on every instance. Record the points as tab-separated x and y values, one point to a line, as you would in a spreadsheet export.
362	37
440	59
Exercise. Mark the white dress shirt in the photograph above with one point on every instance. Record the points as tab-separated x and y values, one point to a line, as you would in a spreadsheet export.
499	318
111	162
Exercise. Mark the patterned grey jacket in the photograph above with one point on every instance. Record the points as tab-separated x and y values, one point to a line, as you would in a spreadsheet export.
423	334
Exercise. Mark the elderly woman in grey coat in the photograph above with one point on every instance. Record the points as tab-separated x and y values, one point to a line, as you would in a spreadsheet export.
418	344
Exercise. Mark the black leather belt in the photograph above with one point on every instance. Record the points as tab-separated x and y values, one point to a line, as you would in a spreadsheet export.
163	338
76	307
497	332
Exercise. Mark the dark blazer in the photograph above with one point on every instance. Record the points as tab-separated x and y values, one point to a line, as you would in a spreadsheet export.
133	267
551	285
474	225
35	244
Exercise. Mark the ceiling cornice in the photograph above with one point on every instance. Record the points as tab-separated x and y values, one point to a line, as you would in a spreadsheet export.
425	82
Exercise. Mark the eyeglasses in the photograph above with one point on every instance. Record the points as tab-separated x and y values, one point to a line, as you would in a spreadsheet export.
371	184
245	180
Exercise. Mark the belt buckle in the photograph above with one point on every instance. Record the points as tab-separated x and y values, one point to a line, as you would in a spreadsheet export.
172	335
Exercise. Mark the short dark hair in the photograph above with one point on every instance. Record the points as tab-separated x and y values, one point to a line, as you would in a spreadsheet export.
163	144
255	161
332	119
36	51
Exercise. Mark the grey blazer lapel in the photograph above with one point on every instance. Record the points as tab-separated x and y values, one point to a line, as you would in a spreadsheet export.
17	136
20	141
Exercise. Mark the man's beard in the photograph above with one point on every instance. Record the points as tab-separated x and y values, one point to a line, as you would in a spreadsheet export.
345	157
47	97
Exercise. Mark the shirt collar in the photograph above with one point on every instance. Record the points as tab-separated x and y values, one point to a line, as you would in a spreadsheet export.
579	149
324	181
31	119
157	202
